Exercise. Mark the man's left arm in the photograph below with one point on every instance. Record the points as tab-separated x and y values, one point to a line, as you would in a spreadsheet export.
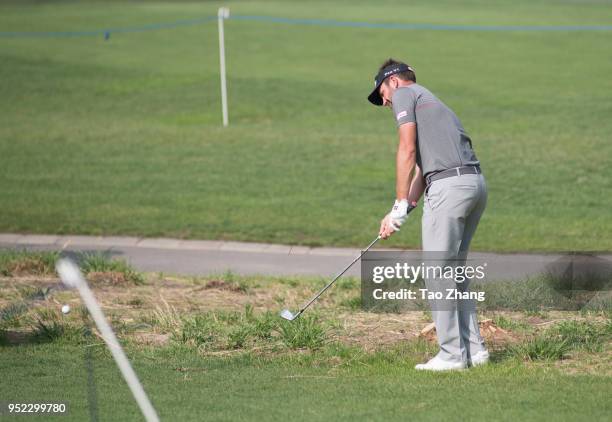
417	187
405	167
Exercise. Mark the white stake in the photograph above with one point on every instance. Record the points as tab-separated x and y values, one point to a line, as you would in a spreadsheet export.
72	277
222	14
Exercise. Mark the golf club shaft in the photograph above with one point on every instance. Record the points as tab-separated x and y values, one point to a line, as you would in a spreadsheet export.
108	335
339	275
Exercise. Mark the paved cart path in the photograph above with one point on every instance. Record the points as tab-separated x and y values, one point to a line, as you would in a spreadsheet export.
204	257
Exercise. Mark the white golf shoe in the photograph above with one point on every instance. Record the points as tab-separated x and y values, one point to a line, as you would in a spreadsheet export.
480	358
437	364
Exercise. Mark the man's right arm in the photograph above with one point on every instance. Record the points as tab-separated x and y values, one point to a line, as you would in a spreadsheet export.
404	110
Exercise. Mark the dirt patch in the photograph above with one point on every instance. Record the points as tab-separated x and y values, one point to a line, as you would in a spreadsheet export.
495	334
112	278
492	334
371	331
580	363
27	266
152	339
223	285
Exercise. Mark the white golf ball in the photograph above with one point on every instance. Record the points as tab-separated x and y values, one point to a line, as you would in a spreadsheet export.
66	309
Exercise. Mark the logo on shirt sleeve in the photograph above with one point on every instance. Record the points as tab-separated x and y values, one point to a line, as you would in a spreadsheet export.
401	114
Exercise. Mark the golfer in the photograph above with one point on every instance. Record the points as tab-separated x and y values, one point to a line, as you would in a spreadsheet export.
435	157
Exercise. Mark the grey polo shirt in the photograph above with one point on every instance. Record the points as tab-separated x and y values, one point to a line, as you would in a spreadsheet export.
442	143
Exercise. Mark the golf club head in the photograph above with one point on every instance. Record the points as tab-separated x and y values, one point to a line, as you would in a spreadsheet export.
288	315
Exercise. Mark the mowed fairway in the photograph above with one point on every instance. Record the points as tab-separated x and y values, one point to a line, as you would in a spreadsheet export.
124	136
184	386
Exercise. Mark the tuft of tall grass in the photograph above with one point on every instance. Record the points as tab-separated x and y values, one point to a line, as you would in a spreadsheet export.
10	314
584	335
304	332
222	330
510	324
558	341
166	319
353	303
96	262
547	292
23	262
199	330
265	325
50	326
238	337
348	283
14	262
540	348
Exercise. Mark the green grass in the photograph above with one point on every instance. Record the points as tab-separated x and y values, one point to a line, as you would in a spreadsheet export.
222	330
14	262
224	354
124	137
98	262
558	341
510	324
304	332
184	386
584	335
50	327
19	262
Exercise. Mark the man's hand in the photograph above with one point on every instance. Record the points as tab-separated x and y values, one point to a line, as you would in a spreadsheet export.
393	221
385	228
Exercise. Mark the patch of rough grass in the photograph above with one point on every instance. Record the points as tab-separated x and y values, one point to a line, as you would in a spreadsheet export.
264	325
18	263
584	335
352	303
215	331
415	351
558	341
200	330
136	302
547	292
164	319
27	292
339	356
98	267
13	315
232	281
234	286
507	323
531	294
101	269
50	326
348	283
600	302
238	337
10	315
304	332
540	348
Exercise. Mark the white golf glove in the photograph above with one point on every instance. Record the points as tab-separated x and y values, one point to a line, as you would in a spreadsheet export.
398	214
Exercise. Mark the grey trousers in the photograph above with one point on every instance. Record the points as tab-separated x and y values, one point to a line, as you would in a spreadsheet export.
452	209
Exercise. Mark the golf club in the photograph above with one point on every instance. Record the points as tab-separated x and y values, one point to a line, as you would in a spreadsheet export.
289	316
72	277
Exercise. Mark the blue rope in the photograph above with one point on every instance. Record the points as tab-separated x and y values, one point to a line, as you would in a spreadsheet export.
108	31
424	26
315	22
